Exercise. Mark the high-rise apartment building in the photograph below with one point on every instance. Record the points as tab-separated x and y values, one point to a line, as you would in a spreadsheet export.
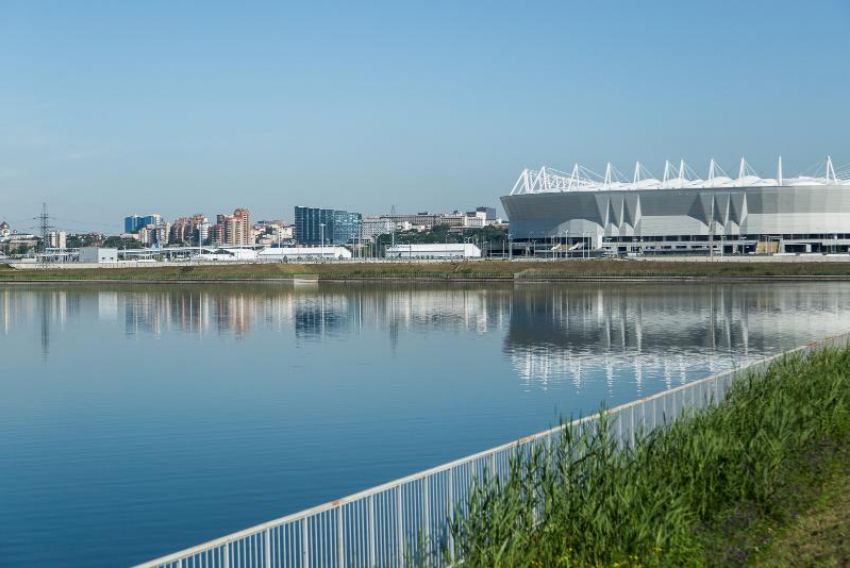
243	228
189	229
234	229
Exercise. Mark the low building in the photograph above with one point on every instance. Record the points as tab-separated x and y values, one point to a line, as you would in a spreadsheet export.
97	255
295	254
373	227
230	255
434	251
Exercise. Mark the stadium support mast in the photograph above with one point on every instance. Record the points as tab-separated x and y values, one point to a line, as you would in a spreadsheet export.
830	169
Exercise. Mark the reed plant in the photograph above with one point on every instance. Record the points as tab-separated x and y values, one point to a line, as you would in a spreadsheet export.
669	498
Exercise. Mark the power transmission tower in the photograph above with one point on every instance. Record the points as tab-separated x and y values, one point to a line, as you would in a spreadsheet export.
44	225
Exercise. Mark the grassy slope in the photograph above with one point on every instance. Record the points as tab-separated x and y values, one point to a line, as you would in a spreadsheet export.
820	535
491	270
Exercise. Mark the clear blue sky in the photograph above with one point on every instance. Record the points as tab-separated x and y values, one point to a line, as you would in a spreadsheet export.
110	108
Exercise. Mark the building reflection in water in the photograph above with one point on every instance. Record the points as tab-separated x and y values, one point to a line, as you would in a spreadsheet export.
551	333
578	333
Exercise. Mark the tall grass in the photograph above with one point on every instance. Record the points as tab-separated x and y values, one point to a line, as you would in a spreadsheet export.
660	502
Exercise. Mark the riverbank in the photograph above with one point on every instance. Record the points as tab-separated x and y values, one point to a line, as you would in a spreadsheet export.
473	271
753	480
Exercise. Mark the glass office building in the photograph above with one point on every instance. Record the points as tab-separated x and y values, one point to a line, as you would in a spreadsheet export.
315	226
134	223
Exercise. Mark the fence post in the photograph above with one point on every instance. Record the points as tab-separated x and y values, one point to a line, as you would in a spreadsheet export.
226	562
340	541
400	511
268	558
305	544
619	418
451	508
427	512
716	396
371	531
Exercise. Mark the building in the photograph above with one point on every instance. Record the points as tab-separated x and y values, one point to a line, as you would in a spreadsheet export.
681	212
155	234
146	236
296	254
161	232
230	255
203	228
489	214
316	226
96	255
181	231
15	242
57	239
215	234
373	227
243	233
434	251
346	227
234	230
134	223
425	221
480	218
189	229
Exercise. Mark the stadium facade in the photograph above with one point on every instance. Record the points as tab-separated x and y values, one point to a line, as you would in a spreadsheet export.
552	211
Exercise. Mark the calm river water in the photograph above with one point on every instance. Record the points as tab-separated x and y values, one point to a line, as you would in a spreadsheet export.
135	421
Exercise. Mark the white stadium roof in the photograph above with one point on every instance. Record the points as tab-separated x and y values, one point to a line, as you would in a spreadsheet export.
547	180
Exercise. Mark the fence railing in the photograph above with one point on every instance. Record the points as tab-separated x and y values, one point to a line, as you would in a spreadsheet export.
406	522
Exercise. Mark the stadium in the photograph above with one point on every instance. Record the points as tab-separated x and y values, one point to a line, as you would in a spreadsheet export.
553	212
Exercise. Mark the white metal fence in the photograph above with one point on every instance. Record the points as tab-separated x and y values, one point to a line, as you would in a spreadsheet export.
406	522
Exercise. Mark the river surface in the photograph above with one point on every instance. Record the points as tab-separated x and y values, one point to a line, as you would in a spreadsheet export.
139	420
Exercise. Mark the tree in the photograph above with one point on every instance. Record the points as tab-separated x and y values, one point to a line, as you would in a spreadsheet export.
122	243
83	240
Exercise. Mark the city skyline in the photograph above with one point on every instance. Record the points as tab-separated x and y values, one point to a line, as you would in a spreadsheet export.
110	108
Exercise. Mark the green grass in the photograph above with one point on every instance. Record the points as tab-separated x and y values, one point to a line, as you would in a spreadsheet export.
574	270
819	536
712	489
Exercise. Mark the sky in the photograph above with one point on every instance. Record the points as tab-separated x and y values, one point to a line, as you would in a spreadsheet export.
113	108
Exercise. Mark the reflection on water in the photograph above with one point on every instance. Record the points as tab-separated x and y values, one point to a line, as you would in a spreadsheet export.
572	333
551	333
312	312
138	420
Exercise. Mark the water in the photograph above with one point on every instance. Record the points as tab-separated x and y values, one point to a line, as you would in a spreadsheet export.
135	421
